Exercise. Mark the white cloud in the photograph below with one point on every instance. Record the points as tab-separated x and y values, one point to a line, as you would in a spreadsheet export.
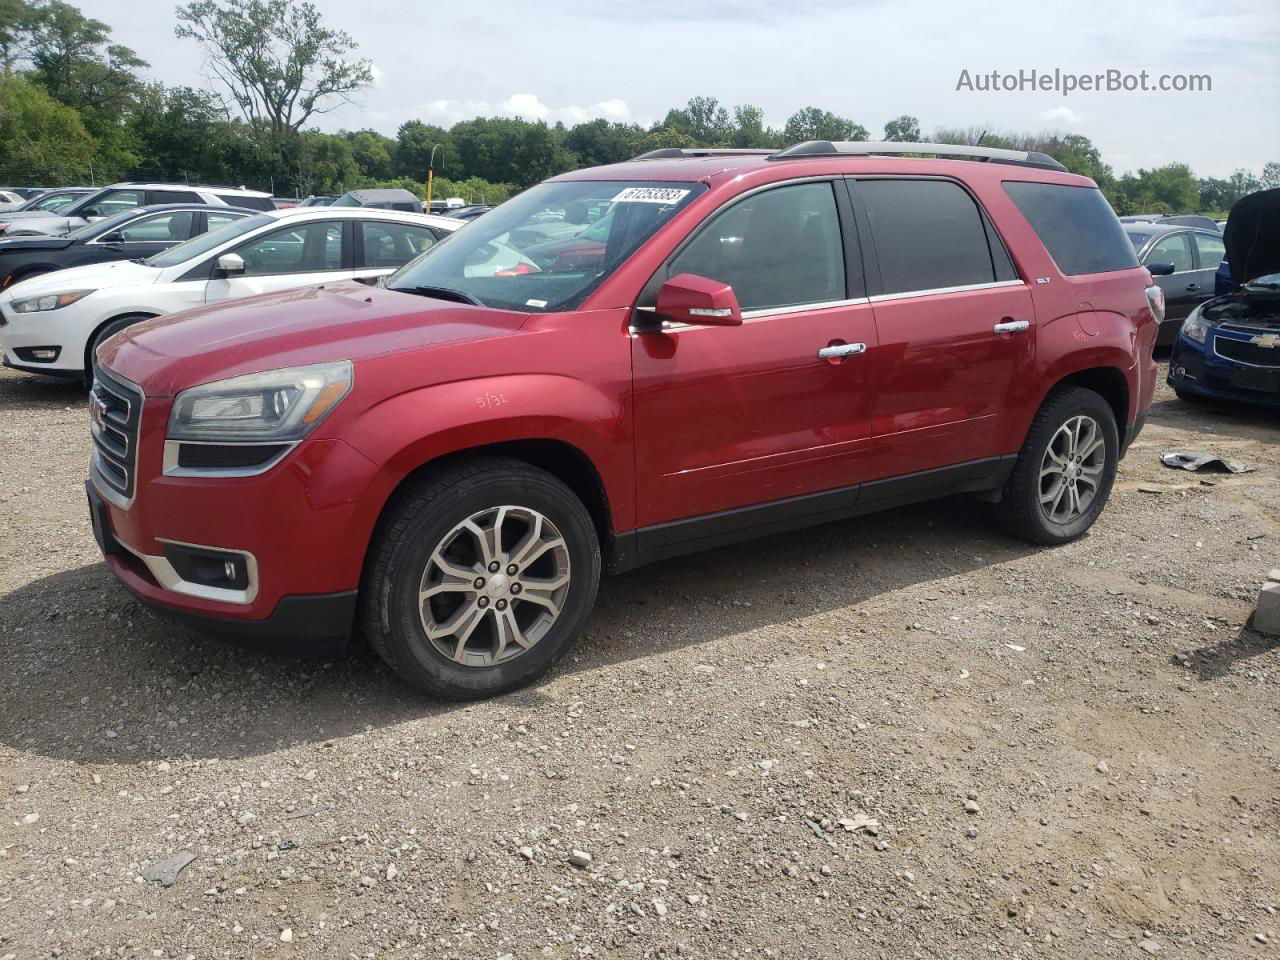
526	105
1063	116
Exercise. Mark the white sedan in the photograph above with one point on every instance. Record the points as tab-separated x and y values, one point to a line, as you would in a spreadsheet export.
53	323
10	200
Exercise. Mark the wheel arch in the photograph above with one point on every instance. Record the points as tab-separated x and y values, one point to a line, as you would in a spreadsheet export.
139	316
1108	382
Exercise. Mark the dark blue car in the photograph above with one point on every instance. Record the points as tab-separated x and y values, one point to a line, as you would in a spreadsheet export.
1229	347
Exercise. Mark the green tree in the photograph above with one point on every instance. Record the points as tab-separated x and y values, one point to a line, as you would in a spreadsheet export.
749	130
40	138
322	163
17	24
812	123
508	150
372	153
599	142
73	57
703	120
903	129
1270	175
412	152
279	61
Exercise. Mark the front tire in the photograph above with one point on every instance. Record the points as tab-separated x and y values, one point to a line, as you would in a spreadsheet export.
480	579
1065	470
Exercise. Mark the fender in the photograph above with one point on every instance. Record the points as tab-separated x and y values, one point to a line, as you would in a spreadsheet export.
409	430
1076	342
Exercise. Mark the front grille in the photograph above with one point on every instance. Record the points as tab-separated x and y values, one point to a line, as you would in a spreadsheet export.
1252	353
227	456
115	417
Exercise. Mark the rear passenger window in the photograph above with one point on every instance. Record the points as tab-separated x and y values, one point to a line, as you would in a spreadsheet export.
928	235
174	196
1076	225
779	248
1212	251
250	203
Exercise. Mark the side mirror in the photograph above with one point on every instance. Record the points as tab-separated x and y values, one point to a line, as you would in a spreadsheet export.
231	264
113	237
1160	268
689	298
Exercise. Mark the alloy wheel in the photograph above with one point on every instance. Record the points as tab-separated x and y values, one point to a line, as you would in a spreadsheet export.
1072	469
494	586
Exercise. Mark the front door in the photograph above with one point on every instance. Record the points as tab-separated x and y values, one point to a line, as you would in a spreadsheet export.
727	417
956	325
296	256
1182	287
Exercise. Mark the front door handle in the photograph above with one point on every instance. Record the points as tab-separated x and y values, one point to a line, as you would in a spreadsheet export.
1011	326
837	350
1192	287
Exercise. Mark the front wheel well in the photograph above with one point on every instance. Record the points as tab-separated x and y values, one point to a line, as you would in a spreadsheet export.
562	460
136	317
1107	382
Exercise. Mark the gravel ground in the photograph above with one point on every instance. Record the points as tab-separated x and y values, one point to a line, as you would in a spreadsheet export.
901	736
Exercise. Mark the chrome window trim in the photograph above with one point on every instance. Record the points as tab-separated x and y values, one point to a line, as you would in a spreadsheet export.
172	448
936	291
764	313
100	482
165	575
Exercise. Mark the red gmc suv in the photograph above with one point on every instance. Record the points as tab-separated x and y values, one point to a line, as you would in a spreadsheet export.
617	366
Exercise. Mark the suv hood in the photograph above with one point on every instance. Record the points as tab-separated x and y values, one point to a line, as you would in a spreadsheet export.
41	222
1252	236
20	244
341	321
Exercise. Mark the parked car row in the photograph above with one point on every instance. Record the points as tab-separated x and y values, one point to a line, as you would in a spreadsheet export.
62	297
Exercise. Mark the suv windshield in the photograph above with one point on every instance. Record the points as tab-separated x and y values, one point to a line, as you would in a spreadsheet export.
548	248
198	246
104	226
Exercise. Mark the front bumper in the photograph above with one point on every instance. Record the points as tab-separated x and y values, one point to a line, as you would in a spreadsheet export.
297	532
1199	369
65	330
316	625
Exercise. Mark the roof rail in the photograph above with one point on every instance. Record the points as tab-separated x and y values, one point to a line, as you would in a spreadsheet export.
859	148
678	153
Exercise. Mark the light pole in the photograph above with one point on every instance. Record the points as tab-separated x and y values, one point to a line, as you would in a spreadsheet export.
431	163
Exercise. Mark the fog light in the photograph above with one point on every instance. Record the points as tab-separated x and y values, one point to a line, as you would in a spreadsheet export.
38	354
45	354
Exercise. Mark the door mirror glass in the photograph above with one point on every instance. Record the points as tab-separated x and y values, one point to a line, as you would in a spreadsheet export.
688	298
1160	268
113	237
231	264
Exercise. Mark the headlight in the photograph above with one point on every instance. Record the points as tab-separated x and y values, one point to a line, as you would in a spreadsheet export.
49	301
283	405
1195	327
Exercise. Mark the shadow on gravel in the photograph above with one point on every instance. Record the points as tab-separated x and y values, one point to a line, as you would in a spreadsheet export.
1214	663
27	390
1235	420
88	674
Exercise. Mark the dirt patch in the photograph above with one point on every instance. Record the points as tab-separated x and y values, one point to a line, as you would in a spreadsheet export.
1101	709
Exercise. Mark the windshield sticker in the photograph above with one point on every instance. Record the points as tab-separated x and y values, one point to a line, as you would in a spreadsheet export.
651	195
538	304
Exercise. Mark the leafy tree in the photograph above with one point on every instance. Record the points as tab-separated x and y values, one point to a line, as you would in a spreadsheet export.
812	123
1167	189
1270	175
281	64
703	120
372	153
599	142
903	129
749	130
322	163
41	139
17	23
75	61
412	152
509	150
659	137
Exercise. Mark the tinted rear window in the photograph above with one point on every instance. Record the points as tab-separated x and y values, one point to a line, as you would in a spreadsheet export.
928	235
1076	225
251	203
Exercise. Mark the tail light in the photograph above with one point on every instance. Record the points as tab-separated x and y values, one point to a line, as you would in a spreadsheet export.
1155	300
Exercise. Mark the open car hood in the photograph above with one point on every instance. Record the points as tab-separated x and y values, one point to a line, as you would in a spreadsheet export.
1252	236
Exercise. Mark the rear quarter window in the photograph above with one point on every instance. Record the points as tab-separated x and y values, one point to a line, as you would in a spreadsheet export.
250	203
1076	225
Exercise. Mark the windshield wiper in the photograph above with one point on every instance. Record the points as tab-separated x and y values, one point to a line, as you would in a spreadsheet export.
441	293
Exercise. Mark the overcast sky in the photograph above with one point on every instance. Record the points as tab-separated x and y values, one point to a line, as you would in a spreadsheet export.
865	59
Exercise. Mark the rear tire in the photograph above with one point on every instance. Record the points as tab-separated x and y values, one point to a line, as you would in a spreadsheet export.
108	329
475	554
1065	470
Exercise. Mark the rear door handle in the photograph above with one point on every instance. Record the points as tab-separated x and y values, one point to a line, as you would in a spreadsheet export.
1011	326
841	350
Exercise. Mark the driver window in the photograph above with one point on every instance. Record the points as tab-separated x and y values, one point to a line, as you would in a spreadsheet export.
1175	249
115	202
778	248
165	228
311	248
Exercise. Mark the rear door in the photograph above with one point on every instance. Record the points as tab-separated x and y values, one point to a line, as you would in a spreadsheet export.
729	417
956	328
317	251
1210	251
